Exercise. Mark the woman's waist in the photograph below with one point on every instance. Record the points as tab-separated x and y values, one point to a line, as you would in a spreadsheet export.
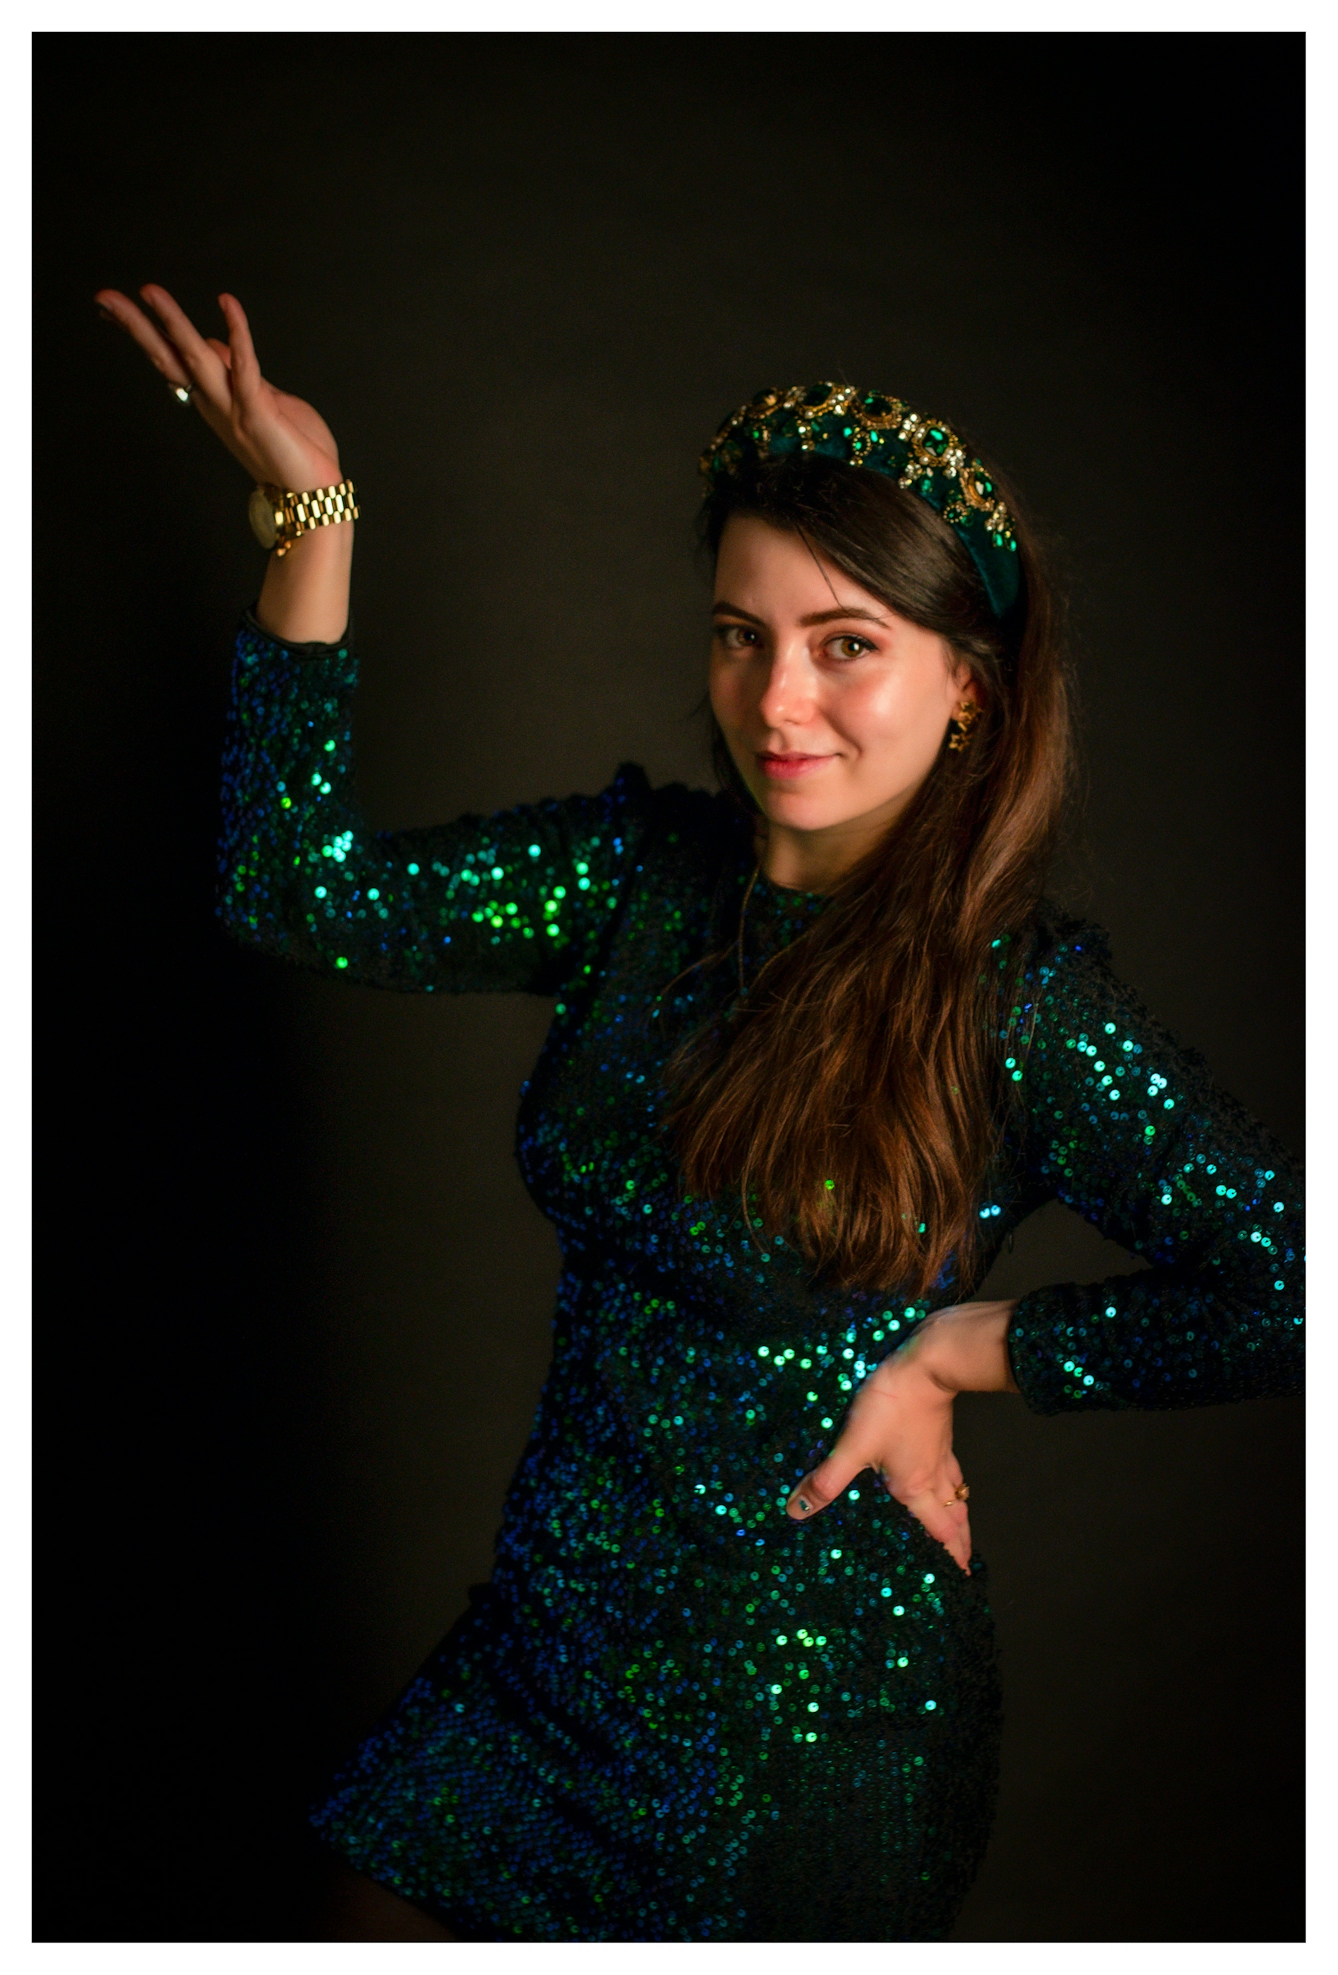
604	1520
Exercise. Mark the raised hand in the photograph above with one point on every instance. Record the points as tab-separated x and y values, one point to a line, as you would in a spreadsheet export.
900	1422
277	438
280	440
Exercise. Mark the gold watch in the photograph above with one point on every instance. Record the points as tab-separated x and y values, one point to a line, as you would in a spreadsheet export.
280	517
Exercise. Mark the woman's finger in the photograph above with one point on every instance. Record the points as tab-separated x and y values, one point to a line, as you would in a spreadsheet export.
206	370
245	365
164	357
825	1482
220	350
949	1526
960	1545
258	407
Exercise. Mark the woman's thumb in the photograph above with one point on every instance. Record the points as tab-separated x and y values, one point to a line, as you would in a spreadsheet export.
822	1485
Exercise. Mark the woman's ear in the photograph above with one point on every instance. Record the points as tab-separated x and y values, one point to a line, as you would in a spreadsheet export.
964	686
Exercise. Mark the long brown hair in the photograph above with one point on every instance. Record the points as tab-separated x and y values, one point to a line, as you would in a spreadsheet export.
856	1096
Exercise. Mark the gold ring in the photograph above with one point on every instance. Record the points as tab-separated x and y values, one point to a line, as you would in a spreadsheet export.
959	1494
183	393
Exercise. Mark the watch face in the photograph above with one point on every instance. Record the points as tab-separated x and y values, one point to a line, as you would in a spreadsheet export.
264	517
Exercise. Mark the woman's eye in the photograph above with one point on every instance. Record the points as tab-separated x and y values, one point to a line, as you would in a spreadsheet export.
851	647
735	637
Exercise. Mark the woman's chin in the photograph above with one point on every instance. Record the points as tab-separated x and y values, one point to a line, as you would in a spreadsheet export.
800	809
816	809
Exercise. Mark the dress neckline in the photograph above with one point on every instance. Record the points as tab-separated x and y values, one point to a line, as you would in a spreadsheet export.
786	895
779	900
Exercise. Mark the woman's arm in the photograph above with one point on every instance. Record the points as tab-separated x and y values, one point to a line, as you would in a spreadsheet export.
1128	1127
519	901
280	440
304	597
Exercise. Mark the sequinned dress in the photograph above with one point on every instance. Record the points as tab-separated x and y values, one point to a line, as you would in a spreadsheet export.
674	1714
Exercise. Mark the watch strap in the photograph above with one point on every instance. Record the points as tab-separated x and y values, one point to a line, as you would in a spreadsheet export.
296	514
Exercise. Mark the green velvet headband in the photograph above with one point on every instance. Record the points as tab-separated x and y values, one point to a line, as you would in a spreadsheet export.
865	428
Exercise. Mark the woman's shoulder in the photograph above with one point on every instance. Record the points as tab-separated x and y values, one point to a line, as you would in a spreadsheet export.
1072	987
1056	934
1053	947
1064	961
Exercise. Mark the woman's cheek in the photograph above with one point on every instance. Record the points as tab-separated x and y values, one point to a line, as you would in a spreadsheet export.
870	713
724	690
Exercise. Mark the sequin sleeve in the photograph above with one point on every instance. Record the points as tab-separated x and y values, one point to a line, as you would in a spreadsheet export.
514	901
1128	1127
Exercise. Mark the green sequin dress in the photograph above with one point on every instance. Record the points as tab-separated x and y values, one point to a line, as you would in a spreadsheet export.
674	1713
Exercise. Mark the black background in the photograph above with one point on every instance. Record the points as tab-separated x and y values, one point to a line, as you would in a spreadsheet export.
295	1303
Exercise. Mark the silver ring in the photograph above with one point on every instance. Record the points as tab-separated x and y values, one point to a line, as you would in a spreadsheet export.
183	393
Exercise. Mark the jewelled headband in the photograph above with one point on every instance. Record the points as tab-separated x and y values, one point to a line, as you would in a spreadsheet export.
864	428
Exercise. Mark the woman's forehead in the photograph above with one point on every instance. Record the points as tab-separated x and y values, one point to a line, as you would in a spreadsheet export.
783	570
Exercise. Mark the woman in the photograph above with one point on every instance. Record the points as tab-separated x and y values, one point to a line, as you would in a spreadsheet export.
818	1046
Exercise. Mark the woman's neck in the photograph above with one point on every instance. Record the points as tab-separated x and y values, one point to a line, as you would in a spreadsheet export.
813	860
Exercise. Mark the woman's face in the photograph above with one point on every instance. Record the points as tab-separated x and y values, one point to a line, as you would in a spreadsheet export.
834	708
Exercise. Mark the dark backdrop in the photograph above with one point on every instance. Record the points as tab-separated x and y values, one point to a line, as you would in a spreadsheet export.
295	1302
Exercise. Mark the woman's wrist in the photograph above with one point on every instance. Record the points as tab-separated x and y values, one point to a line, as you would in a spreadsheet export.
965	1347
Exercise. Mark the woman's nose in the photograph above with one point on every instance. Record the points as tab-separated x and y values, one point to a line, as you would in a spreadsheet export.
788	693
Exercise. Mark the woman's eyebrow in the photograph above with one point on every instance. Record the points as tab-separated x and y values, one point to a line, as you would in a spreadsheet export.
843	610
814	617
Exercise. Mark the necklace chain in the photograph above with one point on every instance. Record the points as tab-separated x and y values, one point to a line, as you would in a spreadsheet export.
742	910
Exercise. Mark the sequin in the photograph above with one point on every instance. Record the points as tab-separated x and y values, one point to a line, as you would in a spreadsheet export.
675	1712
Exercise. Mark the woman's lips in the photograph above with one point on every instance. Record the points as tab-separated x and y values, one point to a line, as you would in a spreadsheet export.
790	767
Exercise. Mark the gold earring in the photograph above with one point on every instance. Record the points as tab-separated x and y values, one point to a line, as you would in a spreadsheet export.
964	719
